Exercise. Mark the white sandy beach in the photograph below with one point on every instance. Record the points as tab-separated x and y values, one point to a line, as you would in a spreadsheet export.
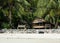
29	38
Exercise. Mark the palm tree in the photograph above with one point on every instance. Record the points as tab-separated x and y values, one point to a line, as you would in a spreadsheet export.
9	6
52	16
48	9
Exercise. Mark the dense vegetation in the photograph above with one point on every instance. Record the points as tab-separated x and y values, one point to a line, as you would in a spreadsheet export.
13	12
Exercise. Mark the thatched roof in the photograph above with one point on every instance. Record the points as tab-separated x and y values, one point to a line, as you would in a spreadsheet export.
38	20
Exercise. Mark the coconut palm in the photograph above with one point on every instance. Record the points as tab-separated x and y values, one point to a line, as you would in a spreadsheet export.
52	16
48	9
8	7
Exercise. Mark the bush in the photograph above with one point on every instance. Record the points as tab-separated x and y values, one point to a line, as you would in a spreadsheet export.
5	25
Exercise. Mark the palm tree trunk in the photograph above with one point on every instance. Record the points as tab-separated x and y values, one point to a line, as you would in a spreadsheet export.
10	18
56	25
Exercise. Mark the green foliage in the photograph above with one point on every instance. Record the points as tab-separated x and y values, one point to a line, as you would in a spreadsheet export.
27	10
5	25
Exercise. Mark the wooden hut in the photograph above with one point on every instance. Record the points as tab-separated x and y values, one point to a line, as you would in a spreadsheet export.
41	24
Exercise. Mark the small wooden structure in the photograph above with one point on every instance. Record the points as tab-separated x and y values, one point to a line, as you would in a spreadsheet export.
41	24
22	27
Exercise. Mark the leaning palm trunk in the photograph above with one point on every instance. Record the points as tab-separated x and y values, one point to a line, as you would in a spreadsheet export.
56	25
10	18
